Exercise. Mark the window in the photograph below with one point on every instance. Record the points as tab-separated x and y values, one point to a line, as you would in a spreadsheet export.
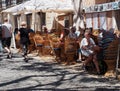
43	18
19	1
66	22
8	3
29	19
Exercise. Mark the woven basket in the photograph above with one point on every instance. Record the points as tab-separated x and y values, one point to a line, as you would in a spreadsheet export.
47	47
70	49
70	45
17	40
38	39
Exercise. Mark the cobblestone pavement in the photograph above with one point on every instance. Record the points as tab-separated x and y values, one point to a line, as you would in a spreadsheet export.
44	74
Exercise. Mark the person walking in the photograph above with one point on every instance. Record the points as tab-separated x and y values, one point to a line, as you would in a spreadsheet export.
6	36
24	39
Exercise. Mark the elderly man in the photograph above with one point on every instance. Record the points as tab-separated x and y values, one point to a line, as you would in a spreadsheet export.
87	47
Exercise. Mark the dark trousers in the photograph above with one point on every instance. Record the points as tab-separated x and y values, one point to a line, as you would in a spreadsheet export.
24	49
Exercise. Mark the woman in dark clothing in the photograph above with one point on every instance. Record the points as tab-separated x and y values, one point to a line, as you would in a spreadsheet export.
24	39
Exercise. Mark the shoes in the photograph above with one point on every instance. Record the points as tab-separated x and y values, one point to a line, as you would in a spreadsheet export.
99	73
23	55
9	56
26	60
84	67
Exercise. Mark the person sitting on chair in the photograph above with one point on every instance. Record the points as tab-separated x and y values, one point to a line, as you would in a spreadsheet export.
87	47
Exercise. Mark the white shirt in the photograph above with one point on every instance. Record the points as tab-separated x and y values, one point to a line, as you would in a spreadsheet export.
89	46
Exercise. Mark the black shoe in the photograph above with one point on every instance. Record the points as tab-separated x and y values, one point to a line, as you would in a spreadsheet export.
84	67
26	59
23	55
99	73
9	56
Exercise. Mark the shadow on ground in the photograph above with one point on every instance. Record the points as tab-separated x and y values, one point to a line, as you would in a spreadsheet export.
59	71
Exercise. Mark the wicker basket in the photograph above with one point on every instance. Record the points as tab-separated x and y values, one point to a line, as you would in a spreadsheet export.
38	40
47	50
17	40
70	45
70	50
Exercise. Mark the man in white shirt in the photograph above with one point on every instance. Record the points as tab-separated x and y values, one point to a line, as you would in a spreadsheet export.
87	46
6	36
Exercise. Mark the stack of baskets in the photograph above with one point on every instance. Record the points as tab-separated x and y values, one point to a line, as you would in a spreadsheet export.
47	47
38	40
56	47
70	49
70	45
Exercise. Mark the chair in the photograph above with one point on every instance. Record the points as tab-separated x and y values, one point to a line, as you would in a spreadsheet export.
38	40
47	47
55	44
32	43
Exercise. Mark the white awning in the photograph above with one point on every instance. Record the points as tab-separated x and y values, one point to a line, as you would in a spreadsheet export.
44	5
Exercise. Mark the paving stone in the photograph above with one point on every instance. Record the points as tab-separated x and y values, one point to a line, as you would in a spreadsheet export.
43	74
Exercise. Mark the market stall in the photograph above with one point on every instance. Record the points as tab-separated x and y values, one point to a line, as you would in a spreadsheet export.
105	17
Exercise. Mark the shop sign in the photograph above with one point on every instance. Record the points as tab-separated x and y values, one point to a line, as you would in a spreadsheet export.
103	7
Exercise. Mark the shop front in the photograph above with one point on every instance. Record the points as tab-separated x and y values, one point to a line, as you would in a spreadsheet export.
105	16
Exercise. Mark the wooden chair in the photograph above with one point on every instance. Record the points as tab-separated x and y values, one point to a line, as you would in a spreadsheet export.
32	43
38	40
55	44
47	47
